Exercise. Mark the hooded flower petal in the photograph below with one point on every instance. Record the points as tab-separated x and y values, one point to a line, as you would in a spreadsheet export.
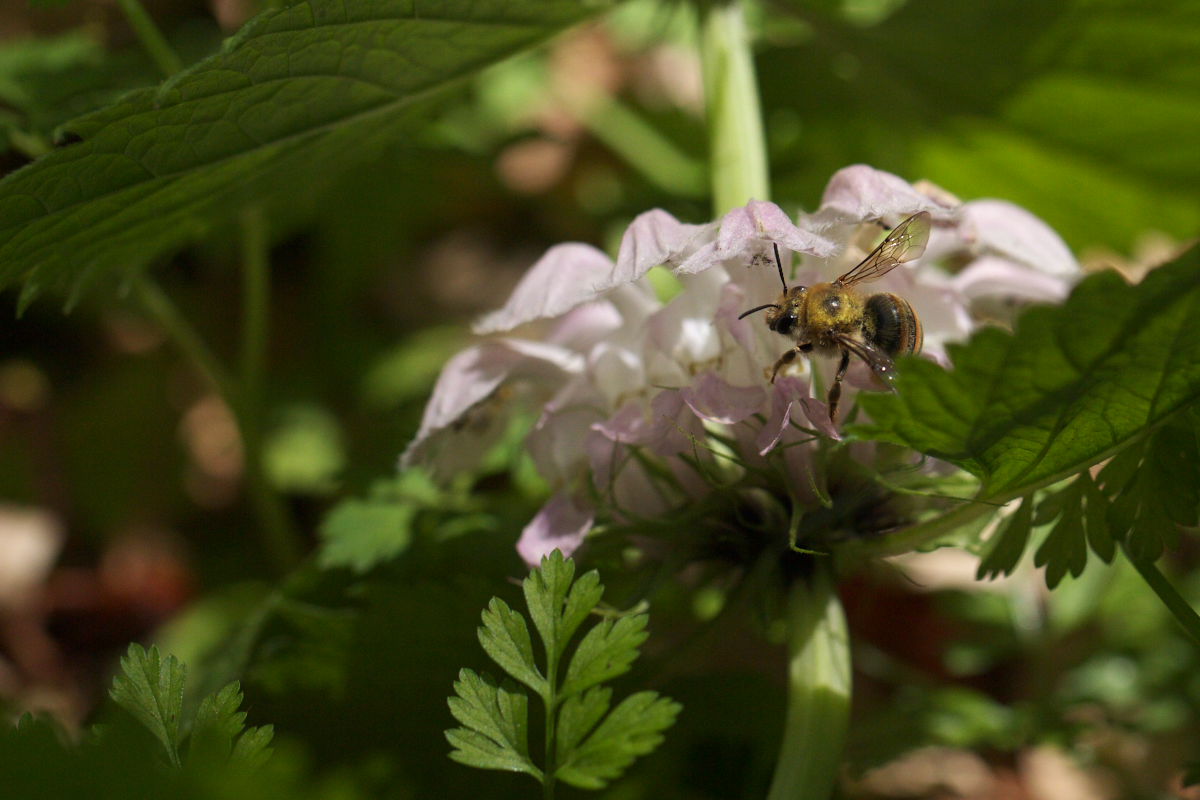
567	276
655	238
560	525
999	277
860	193
744	232
475	375
1012	232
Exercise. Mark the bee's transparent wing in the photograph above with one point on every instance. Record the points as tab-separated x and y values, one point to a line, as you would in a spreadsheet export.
879	362
906	242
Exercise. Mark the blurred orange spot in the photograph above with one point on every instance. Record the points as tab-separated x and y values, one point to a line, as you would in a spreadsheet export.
23	387
534	166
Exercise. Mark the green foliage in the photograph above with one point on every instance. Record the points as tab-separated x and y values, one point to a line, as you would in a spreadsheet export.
587	744
1070	386
303	452
150	687
37	78
296	96
1114	372
1025	114
364	533
1153	487
497	735
1005	547
219	732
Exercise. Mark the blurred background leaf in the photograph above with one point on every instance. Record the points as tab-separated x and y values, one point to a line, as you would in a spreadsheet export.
1079	111
298	95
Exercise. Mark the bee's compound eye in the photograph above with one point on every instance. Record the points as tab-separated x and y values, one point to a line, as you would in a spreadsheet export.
784	324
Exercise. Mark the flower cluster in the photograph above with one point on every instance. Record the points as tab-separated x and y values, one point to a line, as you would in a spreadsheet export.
641	399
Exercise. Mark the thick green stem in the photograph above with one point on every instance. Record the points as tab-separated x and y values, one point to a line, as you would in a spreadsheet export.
154	43
818	683
1184	614
279	536
737	146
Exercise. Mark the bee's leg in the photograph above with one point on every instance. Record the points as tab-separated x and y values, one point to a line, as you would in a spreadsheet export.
835	391
783	361
788	358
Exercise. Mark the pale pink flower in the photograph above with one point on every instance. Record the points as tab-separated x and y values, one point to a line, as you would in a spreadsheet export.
642	402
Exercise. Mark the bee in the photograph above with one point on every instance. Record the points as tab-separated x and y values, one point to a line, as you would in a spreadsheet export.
834	318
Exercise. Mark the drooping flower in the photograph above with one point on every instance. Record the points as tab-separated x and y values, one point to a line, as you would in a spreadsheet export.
642	402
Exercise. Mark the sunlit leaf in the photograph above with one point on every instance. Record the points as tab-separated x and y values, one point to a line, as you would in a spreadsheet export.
150	687
360	534
505	638
496	719
605	652
633	728
558	603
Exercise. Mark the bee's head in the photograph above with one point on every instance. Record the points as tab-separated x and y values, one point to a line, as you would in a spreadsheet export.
784	313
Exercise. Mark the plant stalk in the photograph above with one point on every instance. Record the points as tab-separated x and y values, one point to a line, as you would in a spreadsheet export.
551	700
645	149
1184	614
737	146
151	38
279	537
156	303
818	707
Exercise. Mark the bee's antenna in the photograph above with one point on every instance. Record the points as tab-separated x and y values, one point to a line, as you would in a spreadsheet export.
779	264
745	314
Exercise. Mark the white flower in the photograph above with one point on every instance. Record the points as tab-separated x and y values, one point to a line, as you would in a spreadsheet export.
636	395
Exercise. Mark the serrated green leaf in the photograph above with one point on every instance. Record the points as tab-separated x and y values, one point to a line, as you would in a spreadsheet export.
1026	409
218	722
505	638
219	733
496	719
1052	505
1095	520
150	687
1004	550
633	728
545	591
1154	489
578	716
297	95
252	748
605	652
1065	549
476	750
361	534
